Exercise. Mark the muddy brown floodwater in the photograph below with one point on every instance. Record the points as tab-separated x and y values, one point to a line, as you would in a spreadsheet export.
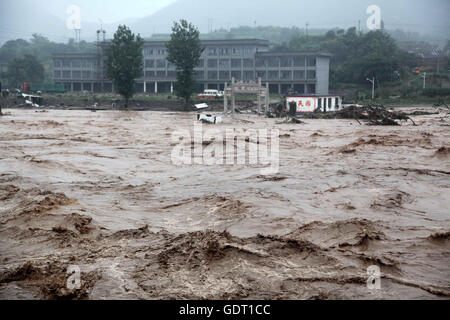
99	191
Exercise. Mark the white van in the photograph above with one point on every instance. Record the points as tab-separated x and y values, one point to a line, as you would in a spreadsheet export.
210	94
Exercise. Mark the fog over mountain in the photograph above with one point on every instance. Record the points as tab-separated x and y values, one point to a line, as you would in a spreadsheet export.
415	15
22	18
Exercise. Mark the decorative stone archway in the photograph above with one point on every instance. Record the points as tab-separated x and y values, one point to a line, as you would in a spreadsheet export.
249	87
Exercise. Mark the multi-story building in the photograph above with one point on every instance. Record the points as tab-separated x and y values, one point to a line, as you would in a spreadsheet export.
306	73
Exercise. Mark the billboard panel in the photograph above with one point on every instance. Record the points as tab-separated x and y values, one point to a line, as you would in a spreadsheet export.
304	104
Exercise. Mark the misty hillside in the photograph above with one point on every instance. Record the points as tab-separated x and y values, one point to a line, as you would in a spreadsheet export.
22	18
416	15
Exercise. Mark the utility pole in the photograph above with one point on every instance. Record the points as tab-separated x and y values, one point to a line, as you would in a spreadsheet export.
437	53
306	29
424	76
373	86
210	25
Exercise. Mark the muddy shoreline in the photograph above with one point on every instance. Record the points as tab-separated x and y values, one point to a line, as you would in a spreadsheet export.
98	190
171	104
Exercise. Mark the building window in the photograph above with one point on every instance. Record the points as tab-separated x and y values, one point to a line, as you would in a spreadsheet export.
224	63
88	64
201	63
212	63
212	75
212	52
311	88
299	62
76	63
66	63
170	65
299	75
273	75
86	75
286	75
224	51
199	75
260	63
236	63
57	74
148	51
299	88
236	75
261	74
150	64
57	63
66	75
248	63
149	74
160	74
286	62
311	62
236	51
76	74
311	74
248	51
274	62
249	75
161	52
224	75
172	74
160	63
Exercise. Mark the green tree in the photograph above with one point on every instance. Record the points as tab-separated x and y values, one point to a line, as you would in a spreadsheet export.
125	61
184	51
446	49
26	69
357	56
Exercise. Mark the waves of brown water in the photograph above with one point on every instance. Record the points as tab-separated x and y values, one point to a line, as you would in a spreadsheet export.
99	190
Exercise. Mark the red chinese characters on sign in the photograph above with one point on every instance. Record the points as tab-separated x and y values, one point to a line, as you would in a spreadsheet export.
307	103
304	104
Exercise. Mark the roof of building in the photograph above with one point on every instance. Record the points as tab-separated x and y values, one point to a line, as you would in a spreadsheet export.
217	42
258	42
293	53
313	95
75	55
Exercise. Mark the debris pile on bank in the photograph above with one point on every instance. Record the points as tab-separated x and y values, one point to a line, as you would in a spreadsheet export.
373	115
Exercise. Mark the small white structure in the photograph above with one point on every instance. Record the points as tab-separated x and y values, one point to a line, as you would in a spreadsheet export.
325	103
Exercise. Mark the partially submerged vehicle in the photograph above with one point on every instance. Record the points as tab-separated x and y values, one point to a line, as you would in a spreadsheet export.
34	101
209	118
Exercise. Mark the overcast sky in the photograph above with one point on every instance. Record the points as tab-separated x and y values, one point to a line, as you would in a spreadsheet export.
22	18
108	11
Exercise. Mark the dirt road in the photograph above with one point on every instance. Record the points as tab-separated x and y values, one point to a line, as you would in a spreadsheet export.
99	191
